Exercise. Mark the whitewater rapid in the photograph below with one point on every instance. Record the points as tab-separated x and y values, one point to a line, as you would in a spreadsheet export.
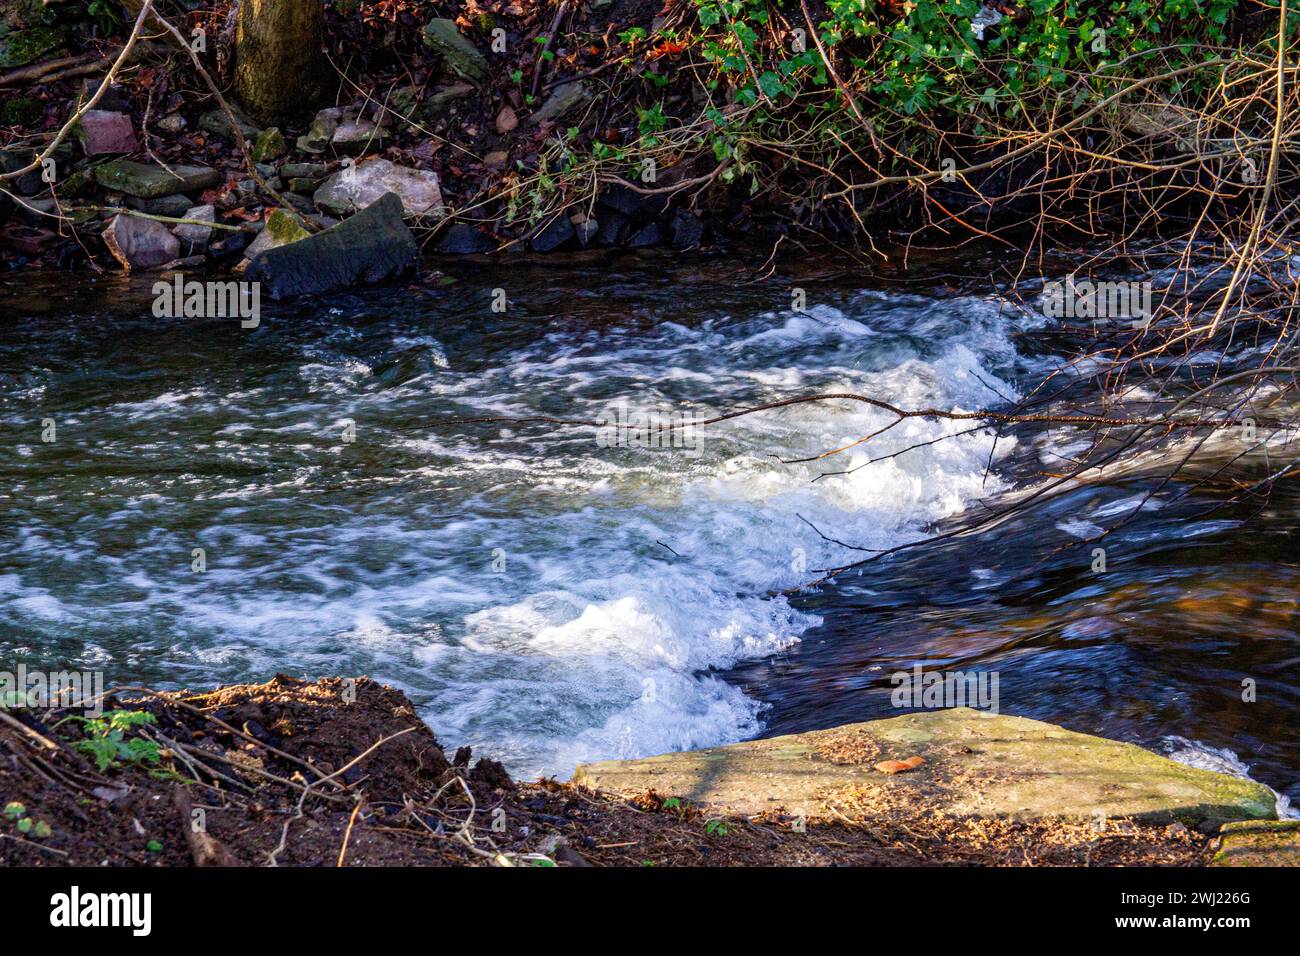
539	593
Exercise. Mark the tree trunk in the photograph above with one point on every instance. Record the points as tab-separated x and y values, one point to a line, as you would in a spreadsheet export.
279	66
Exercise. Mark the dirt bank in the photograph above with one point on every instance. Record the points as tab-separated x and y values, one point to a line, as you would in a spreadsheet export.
342	772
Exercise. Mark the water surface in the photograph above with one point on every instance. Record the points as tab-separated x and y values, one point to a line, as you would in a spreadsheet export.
552	599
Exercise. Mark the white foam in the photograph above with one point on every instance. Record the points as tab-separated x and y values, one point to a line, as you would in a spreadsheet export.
548	599
1194	753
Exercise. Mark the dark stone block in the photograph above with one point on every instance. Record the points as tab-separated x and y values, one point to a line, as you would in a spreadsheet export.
115	98
688	230
553	235
175	206
621	199
613	228
232	244
373	245
586	230
28	184
631	203
635	206
462	239
650	235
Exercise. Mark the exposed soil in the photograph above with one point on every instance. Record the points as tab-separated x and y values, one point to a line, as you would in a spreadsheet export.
344	772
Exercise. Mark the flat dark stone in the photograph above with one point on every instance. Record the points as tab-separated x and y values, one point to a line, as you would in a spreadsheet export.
232	245
372	246
175	206
688	231
650	235
553	235
304	171
28	184
462	239
631	203
152	182
613	228
115	98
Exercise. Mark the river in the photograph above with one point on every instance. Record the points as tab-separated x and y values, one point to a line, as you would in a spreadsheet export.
552	596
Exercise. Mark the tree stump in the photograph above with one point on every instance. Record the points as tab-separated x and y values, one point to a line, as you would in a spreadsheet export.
279	66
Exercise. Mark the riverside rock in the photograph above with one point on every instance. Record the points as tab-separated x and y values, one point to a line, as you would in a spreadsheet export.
194	238
318	137
462	239
104	132
457	52
358	186
217	123
688	231
562	101
140	243
1259	843
27	184
153	182
280	230
553	235
304	171
373	245
356	135
269	145
974	765
175	205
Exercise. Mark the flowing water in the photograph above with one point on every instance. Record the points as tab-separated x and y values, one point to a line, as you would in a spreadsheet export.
554	597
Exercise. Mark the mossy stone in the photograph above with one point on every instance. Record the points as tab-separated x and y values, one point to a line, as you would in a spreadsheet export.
269	145
21	111
25	46
975	765
457	52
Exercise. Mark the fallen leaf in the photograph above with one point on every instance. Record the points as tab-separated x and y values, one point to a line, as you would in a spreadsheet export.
899	766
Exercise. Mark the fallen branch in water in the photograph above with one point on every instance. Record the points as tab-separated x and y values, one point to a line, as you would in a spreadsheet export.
901	413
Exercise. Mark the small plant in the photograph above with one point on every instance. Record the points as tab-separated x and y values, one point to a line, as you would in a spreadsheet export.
716	828
678	807
106	739
16	814
153	846
630	36
105	17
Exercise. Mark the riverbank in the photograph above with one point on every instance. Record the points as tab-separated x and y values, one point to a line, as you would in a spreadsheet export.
505	127
343	772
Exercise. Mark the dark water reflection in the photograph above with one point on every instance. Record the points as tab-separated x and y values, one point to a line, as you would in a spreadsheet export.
1156	647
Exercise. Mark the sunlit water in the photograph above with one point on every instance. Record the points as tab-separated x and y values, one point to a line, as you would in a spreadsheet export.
552	599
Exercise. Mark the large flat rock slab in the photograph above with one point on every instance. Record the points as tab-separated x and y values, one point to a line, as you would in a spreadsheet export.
1259	843
153	182
975	765
372	246
358	186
